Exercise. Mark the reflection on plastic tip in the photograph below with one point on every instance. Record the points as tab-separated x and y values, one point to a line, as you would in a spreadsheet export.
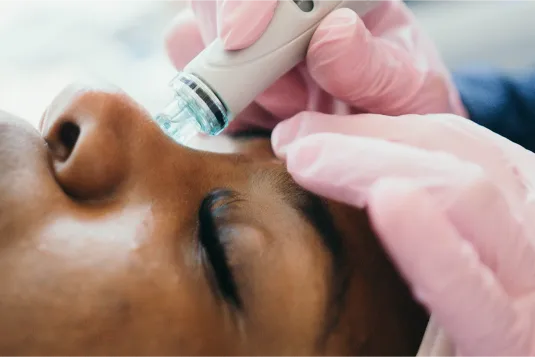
196	108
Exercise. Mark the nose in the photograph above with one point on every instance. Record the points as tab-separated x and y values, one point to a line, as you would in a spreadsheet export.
88	131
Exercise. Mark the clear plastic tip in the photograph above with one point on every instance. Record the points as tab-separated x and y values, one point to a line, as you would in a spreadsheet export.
195	108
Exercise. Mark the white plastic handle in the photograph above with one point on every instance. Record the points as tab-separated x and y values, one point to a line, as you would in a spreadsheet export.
238	77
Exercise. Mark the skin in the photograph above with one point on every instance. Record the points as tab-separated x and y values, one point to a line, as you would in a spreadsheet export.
100	250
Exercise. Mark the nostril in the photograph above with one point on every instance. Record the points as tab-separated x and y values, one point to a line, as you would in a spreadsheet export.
88	147
67	136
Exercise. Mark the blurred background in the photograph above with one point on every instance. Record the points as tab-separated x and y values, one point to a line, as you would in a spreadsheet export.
44	45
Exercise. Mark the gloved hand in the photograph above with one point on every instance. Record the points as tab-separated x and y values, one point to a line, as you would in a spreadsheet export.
453	204
382	63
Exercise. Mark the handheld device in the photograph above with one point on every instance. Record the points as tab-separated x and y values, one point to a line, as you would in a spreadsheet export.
218	84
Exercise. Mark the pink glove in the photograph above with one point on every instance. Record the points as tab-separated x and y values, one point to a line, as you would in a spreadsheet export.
453	204
382	63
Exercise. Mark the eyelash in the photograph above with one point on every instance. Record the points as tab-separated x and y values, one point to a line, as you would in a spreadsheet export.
212	206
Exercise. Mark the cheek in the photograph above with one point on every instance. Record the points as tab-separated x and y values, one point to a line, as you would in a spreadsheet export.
113	293
50	304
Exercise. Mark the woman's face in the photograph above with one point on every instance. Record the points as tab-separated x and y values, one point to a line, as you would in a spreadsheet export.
116	240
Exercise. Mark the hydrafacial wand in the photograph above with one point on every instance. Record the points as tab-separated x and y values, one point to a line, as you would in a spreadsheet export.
218	84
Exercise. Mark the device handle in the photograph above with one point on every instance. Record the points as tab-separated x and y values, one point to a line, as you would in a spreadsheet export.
238	77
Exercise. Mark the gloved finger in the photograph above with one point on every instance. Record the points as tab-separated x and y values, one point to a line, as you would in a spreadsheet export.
475	205
394	15
183	39
409	129
445	272
375	74
286	97
320	164
206	14
483	216
241	23
431	132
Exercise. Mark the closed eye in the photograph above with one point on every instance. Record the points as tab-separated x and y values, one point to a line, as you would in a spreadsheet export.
210	210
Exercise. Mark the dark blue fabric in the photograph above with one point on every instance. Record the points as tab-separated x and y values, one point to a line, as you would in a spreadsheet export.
502	102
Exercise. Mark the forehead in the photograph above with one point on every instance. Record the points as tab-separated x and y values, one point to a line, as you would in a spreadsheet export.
253	144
